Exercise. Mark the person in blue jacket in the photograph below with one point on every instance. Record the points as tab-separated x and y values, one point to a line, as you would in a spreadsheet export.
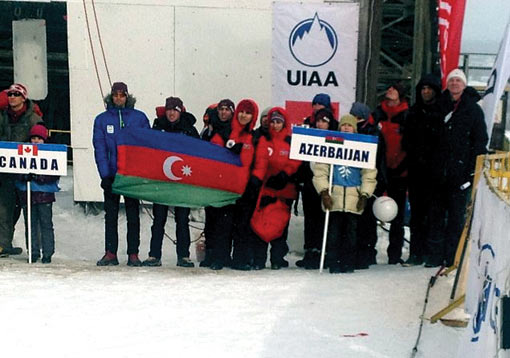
120	114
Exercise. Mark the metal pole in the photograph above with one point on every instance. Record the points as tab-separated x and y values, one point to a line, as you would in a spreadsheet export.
29	221
326	222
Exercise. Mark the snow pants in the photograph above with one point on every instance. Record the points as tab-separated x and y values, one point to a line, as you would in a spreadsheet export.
7	204
397	190
42	229
160	213
279	249
111	222
341	242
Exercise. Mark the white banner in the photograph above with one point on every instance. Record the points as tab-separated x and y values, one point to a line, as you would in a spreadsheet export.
497	81
314	50
333	147
488	273
25	158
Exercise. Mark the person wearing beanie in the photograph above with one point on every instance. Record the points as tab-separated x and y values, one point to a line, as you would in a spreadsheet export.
310	198
349	194
462	137
15	123
120	114
420	141
366	243
43	189
276	195
391	116
263	128
175	120
220	122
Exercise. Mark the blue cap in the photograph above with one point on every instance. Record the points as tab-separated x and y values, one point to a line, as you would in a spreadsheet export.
322	98
360	110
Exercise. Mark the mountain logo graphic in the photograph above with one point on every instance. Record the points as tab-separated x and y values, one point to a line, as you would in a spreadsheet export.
313	42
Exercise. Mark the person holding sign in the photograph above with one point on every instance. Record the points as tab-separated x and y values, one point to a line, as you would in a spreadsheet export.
349	194
15	124
43	189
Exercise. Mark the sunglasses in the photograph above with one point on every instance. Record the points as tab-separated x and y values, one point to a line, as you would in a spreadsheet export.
13	94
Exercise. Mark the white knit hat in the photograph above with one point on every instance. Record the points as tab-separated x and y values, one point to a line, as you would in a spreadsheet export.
457	73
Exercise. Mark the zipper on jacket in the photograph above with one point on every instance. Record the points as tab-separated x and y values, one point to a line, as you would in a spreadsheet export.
121	122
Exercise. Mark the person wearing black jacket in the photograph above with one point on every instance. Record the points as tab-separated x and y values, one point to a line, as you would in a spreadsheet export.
420	141
367	224
176	120
462	138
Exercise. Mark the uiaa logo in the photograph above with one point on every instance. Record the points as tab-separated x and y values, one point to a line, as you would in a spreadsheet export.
313	42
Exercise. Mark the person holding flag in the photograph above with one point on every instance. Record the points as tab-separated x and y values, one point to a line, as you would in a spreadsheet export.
120	114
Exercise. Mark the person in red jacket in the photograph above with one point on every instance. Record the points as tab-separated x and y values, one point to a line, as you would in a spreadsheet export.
221	220
391	117
278	191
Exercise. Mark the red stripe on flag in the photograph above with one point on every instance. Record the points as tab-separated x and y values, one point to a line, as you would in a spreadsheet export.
20	149
172	167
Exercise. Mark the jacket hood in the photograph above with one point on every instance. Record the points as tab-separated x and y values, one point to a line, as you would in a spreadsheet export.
287	130
430	80
469	94
186	120
130	102
236	126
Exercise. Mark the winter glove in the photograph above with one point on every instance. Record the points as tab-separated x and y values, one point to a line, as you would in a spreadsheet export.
266	200
106	183
234	147
29	177
251	192
362	202
327	201
278	181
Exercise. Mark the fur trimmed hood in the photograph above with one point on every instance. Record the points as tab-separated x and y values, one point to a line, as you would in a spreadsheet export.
130	102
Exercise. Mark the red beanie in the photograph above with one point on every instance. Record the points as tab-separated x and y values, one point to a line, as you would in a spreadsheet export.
39	131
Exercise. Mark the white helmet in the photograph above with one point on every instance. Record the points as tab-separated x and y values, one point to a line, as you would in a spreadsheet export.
385	208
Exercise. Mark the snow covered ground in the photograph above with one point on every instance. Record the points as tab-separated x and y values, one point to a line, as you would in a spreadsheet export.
72	308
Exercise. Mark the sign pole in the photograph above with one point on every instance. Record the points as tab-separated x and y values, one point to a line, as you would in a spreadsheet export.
326	222
29	220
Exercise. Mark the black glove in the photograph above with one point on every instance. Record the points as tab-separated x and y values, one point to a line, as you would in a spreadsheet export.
234	147
29	177
252	190
362	202
278	181
266	200
106	183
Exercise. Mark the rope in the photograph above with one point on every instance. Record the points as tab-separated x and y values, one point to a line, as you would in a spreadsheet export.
101	42
93	53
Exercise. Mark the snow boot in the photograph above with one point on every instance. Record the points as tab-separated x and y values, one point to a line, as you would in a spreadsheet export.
109	259
278	264
46	260
134	261
151	262
414	260
185	262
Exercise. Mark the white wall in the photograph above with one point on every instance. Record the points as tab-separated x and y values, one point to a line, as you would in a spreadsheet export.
201	51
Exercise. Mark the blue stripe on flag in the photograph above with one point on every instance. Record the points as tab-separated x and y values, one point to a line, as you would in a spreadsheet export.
176	143
324	133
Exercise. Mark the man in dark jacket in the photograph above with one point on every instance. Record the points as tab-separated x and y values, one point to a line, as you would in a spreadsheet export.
391	116
462	138
175	120
120	114
15	124
367	225
420	141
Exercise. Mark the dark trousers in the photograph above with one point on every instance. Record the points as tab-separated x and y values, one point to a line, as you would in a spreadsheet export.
7	204
420	201
397	190
219	226
279	249
367	235
447	216
314	218
111	221
243	236
160	213
41	216
342	238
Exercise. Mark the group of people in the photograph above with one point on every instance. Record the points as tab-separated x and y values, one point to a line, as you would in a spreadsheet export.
21	121
426	154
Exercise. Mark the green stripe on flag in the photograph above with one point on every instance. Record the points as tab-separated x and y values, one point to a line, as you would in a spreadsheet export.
171	194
